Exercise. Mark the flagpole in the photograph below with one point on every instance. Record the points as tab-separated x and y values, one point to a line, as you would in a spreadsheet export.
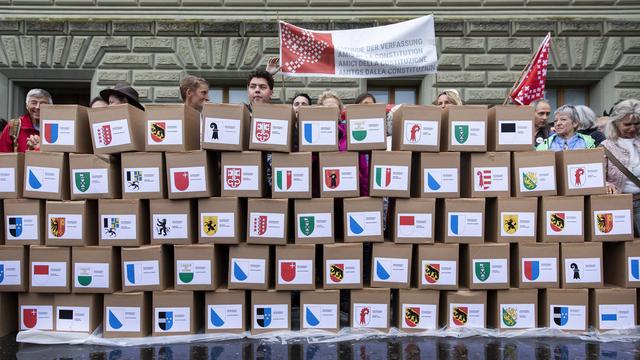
284	88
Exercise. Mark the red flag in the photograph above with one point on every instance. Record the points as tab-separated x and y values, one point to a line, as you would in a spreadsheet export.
531	86
306	51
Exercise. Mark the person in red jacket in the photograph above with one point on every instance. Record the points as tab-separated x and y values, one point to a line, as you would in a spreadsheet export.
23	133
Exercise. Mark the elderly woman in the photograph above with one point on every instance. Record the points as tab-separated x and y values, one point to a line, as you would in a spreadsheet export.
588	125
448	97
566	137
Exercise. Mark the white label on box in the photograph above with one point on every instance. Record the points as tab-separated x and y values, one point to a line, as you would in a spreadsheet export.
314	225
266	225
91	275
221	131
517	316
466	224
58	132
364	223
491	178
48	274
65	226
472	133
439	272
164	132
371	316
90	181
73	318
270	316
420	132
172	319
193	272
515	132
42	179
616	316
123	319
319	316
567	317
583	176
612	222
419	316
38	317
141	180
341	178
241	177
562	223
490	271
291	179
343	271
414	225
521	224
22	227
367	131
295	272
394	270
319	133
248	270
582	270
270	131
111	133
217	225
634	268
537	178
224	316
440	180
118	227
141	273
188	179
391	177
466	315
7	180
10	272
537	270
170	226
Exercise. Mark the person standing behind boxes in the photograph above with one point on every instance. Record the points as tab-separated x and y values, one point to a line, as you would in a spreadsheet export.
259	91
566	137
122	93
194	92
23	133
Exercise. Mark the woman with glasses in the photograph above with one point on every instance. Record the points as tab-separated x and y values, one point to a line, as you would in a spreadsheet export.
566	137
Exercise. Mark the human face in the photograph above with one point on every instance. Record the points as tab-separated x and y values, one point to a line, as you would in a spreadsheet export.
196	98
542	112
368	100
33	107
114	100
628	127
443	101
258	91
564	126
298	102
331	102
99	104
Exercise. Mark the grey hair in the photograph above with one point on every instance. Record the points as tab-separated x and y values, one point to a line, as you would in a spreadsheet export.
629	107
587	117
568	110
38	93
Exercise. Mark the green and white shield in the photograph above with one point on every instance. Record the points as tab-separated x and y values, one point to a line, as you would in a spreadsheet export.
307	224
461	133
483	270
83	180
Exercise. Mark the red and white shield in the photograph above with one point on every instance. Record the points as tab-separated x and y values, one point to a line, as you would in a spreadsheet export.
104	134
260	224
233	177
263	131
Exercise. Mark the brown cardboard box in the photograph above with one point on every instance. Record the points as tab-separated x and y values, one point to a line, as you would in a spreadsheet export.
192	174
485	266
65	128
464	128
270	311
581	265
172	221
612	309
342	266
391	265
46	175
123	222
78	312
127	314
35	312
436	267
565	309
580	172
24	219
463	221
417	128
318	128
366	127
533	173
219	220
117	128
291	175
49	269
241	174
623	264
146	268
513	309
439	175
171	127
267	221
609	217
560	219
417	310
249	267
363	220
391	174
143	176
314	221
9	313
72	223
225	127
370	309
14	262
339	174
535	265
510	128
295	267
512	220
413	221
271	127
96	269
95	176
11	175
320	309
465	309
199	267
225	311
175	312
486	175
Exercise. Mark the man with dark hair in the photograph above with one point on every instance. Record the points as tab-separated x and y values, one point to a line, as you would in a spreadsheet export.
259	87
366	98
194	91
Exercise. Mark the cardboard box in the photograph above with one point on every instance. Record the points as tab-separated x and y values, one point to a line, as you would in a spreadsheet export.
225	311
123	222
72	223
564	309
95	176
242	174
486	175
291	175
270	311
11	175
221	220
609	217
35	312
485	266
581	265
192	174
175	312
172	221
417	128
146	268
370	309
413	221
80	313
49	269
391	265
14	266
464	128
439	175
465	309
580	172
143	176
65	129
612	309
199	267
9	313
295	267
513	309
117	128
510	128
24	219
623	264
314	221
171	127
391	173
339	174
512	220
463	221
225	127
560	219
320	309
271	127
96	269
249	267
366	127
533	173
535	265
363	220
436	267
343	264
127	314
46	175
267	221
318	128
417	310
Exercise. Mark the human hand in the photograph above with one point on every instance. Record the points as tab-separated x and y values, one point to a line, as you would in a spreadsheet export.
33	142
611	189
273	65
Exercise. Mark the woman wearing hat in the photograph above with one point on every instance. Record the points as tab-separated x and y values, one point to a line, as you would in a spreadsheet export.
122	93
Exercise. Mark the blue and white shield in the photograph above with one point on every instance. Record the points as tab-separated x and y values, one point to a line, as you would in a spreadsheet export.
1	273
263	317
165	320
15	226
560	315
